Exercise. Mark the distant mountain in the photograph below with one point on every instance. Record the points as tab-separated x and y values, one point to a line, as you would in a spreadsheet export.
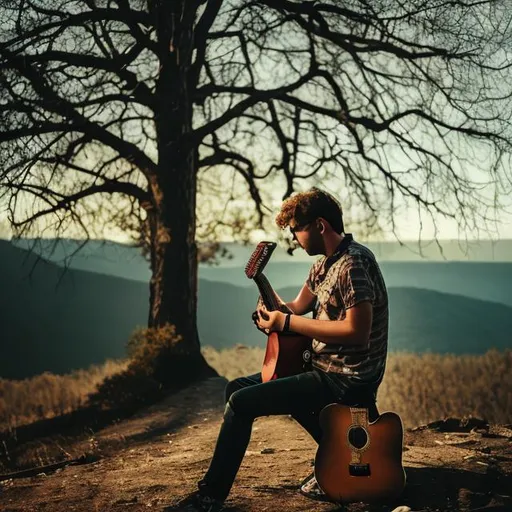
102	255
99	256
451	250
477	280
483	281
55	321
428	321
408	250
480	280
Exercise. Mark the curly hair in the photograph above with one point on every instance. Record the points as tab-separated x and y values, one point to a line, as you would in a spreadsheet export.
304	207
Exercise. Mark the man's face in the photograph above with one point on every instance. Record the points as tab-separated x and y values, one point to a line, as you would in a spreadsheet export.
308	236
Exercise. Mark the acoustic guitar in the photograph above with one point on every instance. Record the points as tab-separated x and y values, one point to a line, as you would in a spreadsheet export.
359	460
287	353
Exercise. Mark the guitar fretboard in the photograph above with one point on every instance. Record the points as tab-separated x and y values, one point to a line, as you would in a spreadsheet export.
268	296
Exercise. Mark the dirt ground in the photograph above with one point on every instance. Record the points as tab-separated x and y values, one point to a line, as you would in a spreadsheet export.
152	460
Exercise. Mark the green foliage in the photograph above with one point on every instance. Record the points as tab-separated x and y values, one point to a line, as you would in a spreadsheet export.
161	354
147	345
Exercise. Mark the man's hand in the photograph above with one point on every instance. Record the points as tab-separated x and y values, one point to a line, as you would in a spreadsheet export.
255	319
282	307
270	321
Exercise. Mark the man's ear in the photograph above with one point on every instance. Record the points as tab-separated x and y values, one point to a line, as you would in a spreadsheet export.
321	225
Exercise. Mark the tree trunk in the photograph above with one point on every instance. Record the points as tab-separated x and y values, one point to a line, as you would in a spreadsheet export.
173	287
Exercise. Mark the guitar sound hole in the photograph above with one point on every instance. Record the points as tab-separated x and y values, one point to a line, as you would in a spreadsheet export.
357	437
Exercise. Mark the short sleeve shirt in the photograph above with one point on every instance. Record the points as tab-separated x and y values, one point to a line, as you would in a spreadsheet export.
347	277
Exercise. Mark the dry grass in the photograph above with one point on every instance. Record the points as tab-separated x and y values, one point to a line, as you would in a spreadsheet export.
48	395
424	388
421	388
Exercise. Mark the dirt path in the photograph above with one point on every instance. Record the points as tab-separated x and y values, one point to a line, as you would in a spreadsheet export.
152	460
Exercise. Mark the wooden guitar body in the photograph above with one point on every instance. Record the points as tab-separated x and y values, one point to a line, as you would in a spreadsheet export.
358	460
286	354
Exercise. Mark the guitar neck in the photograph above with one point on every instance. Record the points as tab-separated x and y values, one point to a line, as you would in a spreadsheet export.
268	295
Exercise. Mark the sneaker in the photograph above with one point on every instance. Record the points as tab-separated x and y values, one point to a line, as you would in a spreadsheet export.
309	487
197	502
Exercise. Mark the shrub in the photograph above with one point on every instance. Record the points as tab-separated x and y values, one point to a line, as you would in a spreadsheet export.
159	359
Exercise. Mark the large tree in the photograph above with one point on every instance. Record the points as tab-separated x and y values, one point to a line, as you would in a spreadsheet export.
119	111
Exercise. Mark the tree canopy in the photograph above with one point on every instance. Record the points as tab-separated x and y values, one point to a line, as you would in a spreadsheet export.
395	99
177	119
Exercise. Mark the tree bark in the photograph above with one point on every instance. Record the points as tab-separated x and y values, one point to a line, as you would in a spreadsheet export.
173	188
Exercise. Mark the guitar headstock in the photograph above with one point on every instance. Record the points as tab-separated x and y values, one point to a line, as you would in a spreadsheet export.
259	259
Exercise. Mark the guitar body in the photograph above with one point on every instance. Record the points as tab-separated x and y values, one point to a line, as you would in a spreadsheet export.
286	355
358	460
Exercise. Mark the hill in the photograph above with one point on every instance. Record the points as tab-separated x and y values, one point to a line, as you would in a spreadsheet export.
55	321
93	251
478	280
428	321
484	280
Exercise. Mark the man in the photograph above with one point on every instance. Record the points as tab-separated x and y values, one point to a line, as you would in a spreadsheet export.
346	292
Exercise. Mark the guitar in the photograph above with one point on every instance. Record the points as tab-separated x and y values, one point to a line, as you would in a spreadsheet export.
359	460
287	353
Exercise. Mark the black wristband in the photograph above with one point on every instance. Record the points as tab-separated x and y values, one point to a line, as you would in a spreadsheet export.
286	326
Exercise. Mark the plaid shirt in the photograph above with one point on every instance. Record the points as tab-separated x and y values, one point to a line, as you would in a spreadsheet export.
339	282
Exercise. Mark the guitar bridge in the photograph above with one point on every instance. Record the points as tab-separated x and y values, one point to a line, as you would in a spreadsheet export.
359	469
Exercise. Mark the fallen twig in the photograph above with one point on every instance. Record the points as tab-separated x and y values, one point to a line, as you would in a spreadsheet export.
83	459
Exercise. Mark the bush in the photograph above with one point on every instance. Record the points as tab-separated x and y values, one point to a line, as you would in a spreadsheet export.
159	360
129	388
153	350
163	355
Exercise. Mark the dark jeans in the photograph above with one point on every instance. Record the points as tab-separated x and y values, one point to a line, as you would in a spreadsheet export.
302	396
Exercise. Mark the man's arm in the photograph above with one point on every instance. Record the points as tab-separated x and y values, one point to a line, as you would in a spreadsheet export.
303	303
353	330
358	295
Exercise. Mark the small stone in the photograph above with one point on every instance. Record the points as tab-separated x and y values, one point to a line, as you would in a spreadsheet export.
265	451
402	508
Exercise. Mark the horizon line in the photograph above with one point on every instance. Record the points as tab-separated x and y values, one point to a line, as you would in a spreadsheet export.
396	241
